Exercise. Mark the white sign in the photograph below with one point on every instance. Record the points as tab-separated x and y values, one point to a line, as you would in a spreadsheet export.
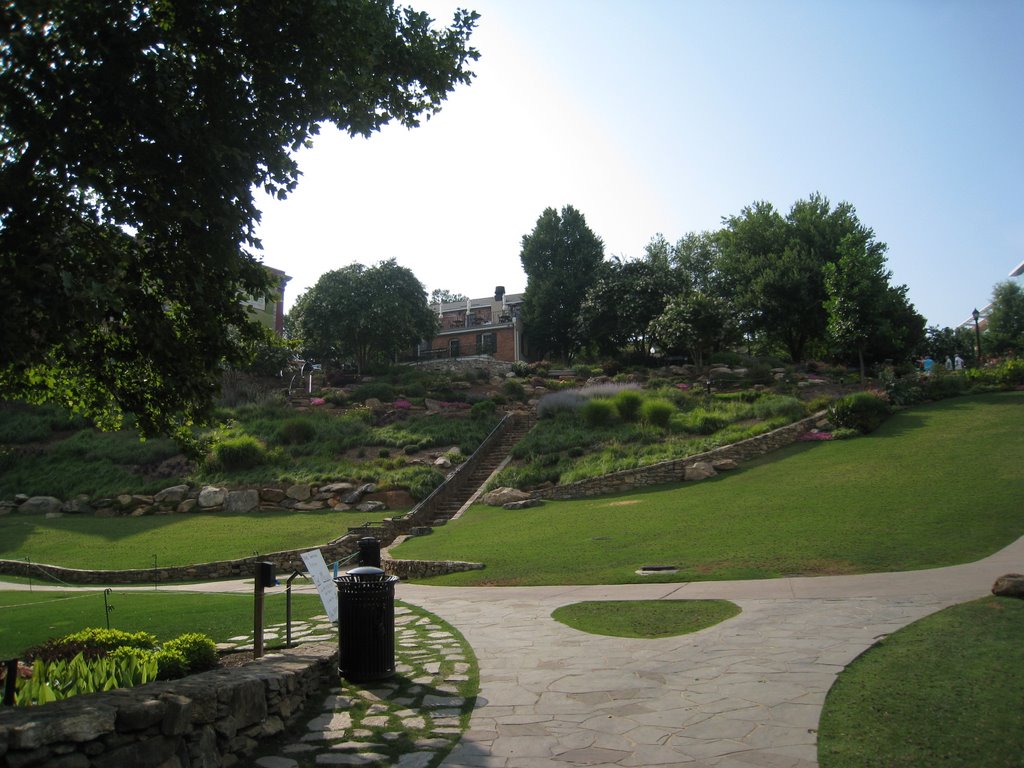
324	582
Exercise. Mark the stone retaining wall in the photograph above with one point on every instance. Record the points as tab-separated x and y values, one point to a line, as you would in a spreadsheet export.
215	718
674	470
422	569
284	562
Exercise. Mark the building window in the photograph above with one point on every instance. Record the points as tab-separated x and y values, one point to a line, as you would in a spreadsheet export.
486	343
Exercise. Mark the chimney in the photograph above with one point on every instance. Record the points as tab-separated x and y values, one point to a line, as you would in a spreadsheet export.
499	292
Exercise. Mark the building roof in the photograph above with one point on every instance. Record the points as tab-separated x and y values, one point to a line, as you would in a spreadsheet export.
486	301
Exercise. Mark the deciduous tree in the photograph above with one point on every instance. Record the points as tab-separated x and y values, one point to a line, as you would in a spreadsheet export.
561	257
133	134
364	314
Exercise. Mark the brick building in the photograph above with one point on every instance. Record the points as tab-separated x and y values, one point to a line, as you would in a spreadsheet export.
488	326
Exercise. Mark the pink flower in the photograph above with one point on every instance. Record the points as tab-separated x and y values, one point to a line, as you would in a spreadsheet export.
682	385
403	405
317	401
814	435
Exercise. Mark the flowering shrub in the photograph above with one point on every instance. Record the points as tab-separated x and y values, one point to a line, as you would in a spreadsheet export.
317	401
402	405
814	436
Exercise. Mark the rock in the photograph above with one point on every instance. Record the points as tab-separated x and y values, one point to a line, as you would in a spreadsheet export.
20	498
499	497
272	495
124	501
524	504
702	470
357	495
311	505
172	495
242	501
724	465
77	506
188	505
40	505
1010	585
338	506
371	506
443	462
432	406
337	488
720	371
299	492
210	497
6	507
373	404
107	512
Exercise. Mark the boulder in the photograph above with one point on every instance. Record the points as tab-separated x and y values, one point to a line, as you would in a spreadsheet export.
188	505
357	495
701	470
172	495
371	506
442	462
40	505
373	404
272	495
337	488
6	507
242	501
1010	585
524	504
77	506
299	492
724	465
338	506
210	497
499	497
311	505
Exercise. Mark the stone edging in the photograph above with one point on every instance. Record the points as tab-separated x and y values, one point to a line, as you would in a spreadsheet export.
212	718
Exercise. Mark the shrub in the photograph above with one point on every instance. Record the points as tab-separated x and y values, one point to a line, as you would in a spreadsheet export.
483	410
598	413
779	405
374	389
113	638
383	453
170	664
521	369
701	421
410	449
199	651
628	403
557	402
657	412
514	390
862	411
296	432
239	453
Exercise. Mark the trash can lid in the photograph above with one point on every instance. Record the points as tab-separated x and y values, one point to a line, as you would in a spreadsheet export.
365	570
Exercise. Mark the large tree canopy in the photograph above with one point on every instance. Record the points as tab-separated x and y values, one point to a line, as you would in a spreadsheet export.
773	269
561	258
363	314
133	134
1005	331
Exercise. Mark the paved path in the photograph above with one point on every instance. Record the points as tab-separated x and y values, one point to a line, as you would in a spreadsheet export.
747	692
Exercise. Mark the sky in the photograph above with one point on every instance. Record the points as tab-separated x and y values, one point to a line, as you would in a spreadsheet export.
661	116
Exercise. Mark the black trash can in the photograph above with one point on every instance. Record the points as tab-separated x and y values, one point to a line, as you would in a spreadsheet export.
366	624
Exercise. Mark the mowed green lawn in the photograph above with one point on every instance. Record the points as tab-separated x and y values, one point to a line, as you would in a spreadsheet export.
84	541
936	485
30	618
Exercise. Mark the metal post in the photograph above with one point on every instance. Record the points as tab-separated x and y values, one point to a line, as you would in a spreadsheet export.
288	608
107	607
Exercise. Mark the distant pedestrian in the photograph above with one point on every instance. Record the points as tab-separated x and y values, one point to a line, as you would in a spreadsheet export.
928	364
958	362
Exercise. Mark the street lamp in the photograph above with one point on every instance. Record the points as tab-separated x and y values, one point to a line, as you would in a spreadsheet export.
977	332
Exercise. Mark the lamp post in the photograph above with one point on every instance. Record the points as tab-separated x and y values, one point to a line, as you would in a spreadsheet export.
977	333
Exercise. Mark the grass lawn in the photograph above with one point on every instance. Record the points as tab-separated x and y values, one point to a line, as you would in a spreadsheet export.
29	618
645	618
935	485
132	542
946	690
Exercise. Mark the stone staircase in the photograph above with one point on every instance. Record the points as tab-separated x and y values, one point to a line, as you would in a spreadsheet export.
466	488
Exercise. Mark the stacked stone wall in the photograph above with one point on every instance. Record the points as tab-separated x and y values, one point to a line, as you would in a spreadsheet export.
674	470
216	718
